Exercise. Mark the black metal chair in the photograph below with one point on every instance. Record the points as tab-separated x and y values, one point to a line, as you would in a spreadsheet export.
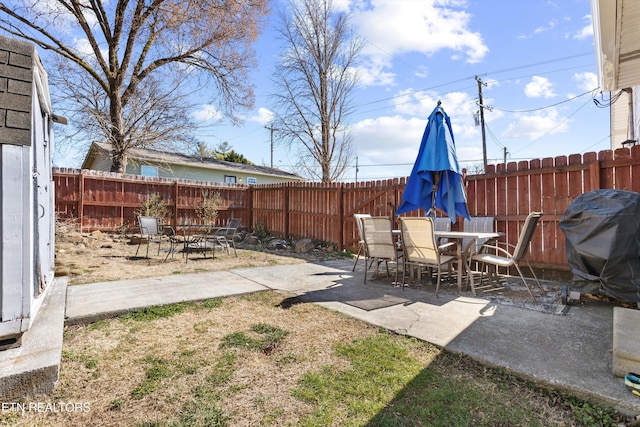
152	231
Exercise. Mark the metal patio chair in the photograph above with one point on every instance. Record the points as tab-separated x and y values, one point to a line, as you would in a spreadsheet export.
152	231
494	255
379	243
361	245
225	236
420	247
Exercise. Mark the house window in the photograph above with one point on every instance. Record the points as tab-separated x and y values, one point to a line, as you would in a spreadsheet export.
149	171
251	180
230	179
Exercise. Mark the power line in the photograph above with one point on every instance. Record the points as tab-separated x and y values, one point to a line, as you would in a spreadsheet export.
547	106
555	127
481	74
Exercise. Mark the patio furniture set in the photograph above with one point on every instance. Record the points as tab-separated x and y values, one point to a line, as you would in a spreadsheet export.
195	237
428	243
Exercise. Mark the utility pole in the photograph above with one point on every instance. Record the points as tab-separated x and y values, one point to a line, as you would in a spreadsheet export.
504	149
271	128
356	169
482	107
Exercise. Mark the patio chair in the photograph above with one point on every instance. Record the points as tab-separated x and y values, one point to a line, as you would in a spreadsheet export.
443	224
225	236
379	243
494	255
468	247
485	224
420	248
152	231
196	239
361	245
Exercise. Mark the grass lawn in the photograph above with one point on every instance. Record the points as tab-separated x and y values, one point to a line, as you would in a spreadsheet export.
252	361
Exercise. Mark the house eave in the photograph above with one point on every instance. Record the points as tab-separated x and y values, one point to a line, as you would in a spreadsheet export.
616	30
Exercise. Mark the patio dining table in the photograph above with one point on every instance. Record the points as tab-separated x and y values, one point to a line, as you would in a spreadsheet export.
195	238
459	237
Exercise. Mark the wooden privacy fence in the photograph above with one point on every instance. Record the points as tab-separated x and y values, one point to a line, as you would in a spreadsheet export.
507	192
108	201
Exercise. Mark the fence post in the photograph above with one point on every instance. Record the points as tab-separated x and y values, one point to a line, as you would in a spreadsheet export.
341	217
249	204
594	174
81	198
175	202
286	210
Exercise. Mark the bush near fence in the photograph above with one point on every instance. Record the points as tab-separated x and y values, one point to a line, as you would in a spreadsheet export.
507	192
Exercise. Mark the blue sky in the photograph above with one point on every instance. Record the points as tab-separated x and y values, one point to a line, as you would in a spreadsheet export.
536	56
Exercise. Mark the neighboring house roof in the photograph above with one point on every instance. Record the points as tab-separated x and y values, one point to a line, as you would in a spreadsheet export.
617	39
152	156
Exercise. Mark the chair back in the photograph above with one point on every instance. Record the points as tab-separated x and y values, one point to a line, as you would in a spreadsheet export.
148	225
525	235
358	218
442	224
419	241
482	224
229	229
233	225
378	237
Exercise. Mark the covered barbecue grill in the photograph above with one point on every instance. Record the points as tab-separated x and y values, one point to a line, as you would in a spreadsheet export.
602	230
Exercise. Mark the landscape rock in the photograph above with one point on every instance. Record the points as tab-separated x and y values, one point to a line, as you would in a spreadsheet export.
278	244
304	245
252	240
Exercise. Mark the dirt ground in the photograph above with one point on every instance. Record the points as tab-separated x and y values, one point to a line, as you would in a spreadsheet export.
100	257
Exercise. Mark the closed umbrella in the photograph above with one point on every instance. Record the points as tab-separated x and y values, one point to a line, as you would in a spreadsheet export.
436	178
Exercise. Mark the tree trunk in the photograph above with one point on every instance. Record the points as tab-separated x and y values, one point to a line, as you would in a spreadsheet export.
117	136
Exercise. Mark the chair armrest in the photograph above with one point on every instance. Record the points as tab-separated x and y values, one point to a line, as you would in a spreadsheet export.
447	247
498	249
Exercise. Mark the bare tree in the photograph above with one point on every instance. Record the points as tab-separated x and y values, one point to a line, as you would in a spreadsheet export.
315	77
131	63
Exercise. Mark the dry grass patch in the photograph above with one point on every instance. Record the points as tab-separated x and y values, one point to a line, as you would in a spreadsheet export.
251	360
133	371
102	258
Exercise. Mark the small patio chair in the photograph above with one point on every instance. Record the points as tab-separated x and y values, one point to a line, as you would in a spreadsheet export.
361	245
197	240
152	231
501	257
379	243
225	236
420	248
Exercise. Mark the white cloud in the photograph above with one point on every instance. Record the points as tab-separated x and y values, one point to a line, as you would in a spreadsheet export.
207	112
539	87
85	50
550	26
539	30
388	140
537	125
264	116
395	27
373	73
586	31
586	81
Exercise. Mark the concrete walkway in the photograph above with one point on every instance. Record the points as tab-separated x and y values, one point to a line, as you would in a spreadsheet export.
570	352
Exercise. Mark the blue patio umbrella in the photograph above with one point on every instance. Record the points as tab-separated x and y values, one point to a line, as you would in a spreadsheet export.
436	178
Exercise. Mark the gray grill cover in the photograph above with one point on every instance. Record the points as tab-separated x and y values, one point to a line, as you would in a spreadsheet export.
602	230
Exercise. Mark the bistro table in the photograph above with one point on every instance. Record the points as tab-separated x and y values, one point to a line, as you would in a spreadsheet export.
195	239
